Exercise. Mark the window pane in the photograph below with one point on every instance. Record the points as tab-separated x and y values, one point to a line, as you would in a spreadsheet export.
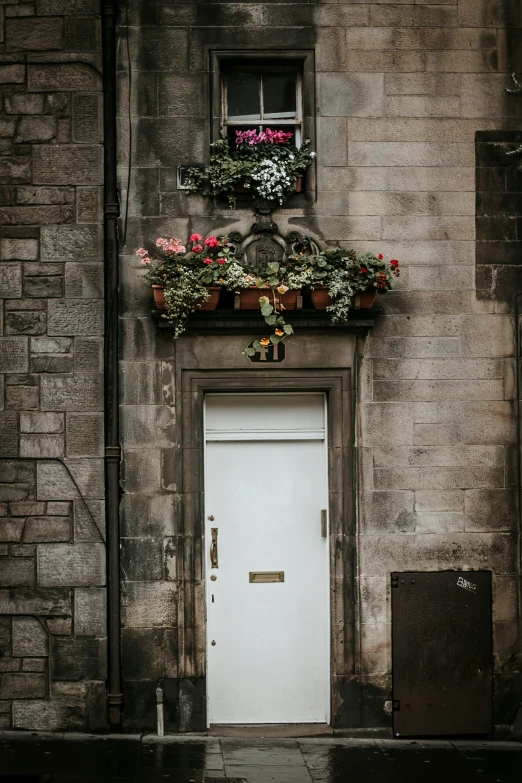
243	96
279	92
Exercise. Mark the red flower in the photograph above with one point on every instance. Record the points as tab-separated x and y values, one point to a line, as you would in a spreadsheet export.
208	260
196	237
197	248
221	260
212	242
363	270
394	263
380	256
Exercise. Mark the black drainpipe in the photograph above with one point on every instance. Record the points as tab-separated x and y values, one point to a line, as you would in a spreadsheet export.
111	213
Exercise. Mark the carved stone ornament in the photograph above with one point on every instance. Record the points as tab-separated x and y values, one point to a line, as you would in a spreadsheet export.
264	244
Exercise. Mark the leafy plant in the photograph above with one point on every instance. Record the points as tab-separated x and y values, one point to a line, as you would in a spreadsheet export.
267	164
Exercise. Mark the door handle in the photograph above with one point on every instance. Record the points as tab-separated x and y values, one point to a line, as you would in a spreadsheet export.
324	525
214	547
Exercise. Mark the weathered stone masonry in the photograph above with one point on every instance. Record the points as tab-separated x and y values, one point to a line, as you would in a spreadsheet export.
52	558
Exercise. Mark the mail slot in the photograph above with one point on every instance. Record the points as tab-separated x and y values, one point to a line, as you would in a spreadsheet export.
267	576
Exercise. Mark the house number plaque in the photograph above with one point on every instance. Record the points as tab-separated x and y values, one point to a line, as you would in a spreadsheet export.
272	353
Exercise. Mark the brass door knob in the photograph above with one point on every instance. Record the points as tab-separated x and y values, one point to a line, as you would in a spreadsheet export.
213	643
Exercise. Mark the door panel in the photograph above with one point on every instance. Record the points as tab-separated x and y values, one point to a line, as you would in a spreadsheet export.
270	660
442	653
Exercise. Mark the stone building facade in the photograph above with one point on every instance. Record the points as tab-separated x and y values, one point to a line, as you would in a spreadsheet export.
412	123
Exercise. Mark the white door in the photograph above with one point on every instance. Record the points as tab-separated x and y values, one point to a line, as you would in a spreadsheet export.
267	599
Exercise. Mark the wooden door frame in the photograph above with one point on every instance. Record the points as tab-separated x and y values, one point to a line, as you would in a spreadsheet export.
193	384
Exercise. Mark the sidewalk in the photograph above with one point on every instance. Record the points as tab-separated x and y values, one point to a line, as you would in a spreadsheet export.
123	759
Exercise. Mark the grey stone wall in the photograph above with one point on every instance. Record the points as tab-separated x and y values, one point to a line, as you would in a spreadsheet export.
402	89
52	556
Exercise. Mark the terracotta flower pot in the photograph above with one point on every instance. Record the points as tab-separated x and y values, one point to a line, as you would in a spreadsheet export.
365	299
249	298
211	303
321	299
158	291
299	185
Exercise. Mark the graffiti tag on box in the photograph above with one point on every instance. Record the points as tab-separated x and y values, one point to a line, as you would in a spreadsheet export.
466	584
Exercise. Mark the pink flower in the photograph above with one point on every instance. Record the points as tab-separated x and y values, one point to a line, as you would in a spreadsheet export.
212	242
221	260
175	246
160	242
197	248
252	137
208	260
196	237
145	260
142	252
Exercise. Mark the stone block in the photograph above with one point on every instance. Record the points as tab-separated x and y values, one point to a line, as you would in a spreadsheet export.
141	472
36	129
12	73
78	658
148	426
440	478
11	529
491	510
421	347
439	522
42	446
389	424
43	288
58	509
85	436
87	113
29	638
34	665
486	456
141	383
375	648
15	170
35	601
14	355
439	500
22	550
78	317
34	34
10	280
422	227
75	565
83	280
55	480
27	508
88	205
46	77
60	626
387	512
88	355
438	390
67	165
90	611
422	154
43	195
421	106
163	48
22	686
45	363
19	572
51	345
71	393
25	322
351	95
142	559
80	34
142	653
505	598
19	103
19	249
67	7
89	520
488	335
71	243
45	529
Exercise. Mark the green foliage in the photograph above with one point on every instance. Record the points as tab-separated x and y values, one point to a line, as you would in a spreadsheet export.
268	171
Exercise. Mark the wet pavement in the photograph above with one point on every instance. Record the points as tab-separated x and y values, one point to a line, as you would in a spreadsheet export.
32	758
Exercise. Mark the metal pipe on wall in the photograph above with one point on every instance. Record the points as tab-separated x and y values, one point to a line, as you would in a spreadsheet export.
111	211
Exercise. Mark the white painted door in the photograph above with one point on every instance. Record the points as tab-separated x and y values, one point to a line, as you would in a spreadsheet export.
265	488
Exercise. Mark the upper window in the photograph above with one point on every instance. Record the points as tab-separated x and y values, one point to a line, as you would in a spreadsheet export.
262	97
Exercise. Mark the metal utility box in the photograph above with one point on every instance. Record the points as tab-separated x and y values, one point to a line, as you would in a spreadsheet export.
442	654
